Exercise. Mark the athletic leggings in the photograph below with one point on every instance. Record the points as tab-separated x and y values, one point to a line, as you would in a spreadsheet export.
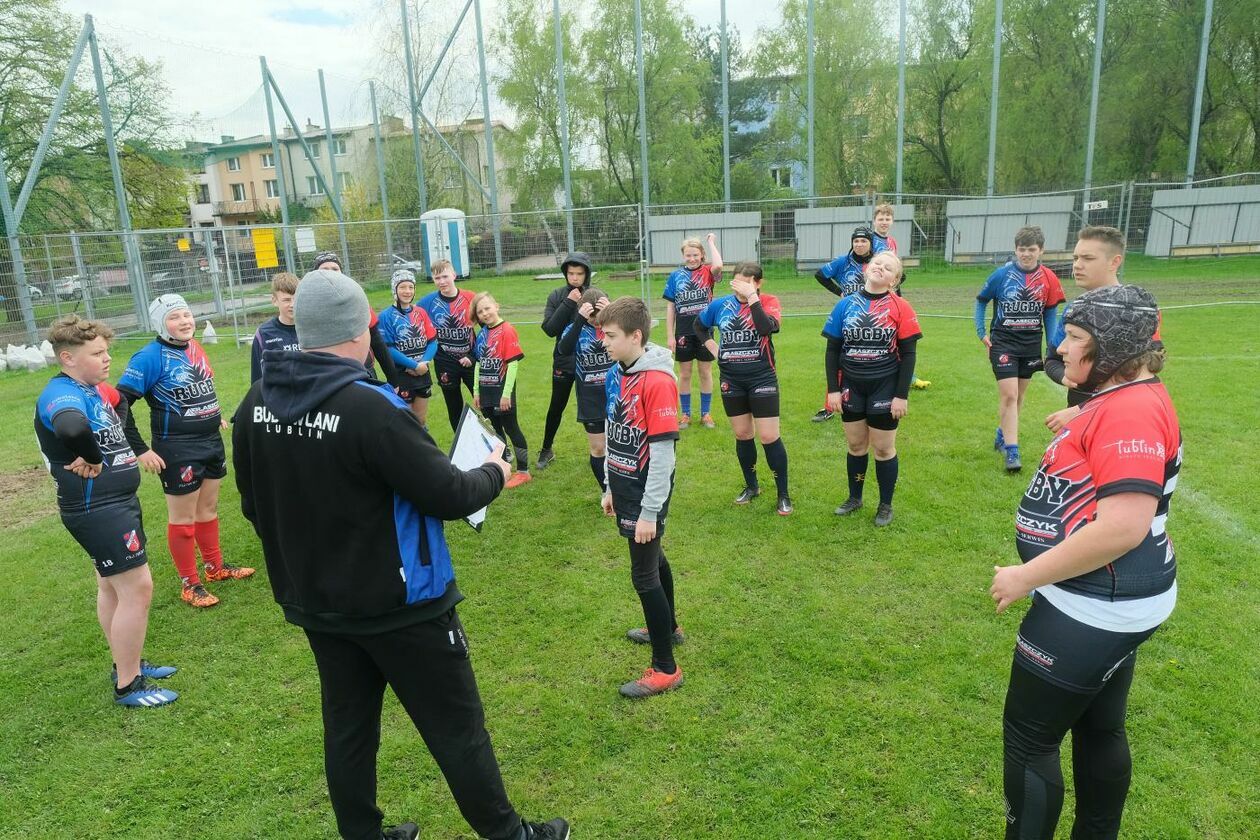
1038	715
507	426
561	388
453	396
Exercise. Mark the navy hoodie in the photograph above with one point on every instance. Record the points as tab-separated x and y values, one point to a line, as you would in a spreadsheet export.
347	494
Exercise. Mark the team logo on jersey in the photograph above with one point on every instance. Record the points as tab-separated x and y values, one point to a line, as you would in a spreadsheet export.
186	474
131	540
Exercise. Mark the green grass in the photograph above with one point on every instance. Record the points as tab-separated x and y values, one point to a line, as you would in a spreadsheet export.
841	681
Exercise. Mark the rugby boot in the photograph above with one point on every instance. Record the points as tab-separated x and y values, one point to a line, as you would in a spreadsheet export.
883	515
652	682
849	506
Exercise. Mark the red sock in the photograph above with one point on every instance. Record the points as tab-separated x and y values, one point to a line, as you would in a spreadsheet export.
208	542
182	541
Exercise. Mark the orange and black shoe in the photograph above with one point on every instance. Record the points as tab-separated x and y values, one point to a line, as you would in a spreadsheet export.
227	572
652	682
197	596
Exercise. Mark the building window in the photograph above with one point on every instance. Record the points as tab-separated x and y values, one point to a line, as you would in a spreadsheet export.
238	192
339	147
344	181
782	176
273	188
313	186
234	164
268	160
203	193
314	148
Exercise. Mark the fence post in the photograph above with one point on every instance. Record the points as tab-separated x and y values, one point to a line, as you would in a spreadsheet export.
497	221
1198	94
564	127
339	206
1093	107
89	304
280	179
809	102
212	265
414	101
15	250
993	99
380	175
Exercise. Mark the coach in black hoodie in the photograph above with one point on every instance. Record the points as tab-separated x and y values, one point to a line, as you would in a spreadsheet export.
347	493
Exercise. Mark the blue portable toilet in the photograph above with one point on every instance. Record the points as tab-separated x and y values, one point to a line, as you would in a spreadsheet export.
444	236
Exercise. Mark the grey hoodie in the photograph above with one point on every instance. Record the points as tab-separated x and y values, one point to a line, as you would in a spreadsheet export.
660	473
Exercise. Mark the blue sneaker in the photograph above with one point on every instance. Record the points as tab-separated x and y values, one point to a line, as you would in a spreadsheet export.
1013	464
147	670
999	441
144	694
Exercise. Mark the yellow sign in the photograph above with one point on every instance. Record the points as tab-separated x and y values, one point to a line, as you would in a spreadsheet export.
182	244
264	247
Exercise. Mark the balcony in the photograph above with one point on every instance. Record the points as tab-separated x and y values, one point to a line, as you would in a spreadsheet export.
240	208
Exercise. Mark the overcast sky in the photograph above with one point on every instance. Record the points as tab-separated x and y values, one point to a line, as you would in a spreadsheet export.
209	51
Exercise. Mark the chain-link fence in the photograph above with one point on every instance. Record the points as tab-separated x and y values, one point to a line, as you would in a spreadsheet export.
224	272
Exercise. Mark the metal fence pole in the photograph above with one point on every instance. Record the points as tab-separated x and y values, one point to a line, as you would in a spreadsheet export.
644	196
564	126
1195	115
496	221
810	181
901	96
380	174
80	269
281	181
993	98
212	266
338	205
15	251
131	251
726	118
1093	108
415	111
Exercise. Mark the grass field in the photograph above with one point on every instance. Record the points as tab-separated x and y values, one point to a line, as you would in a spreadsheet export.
841	682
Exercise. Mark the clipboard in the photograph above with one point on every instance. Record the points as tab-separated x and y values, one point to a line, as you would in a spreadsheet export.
473	442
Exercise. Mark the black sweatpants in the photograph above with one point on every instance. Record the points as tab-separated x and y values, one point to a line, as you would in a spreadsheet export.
449	378
1038	715
561	388
428	668
508	427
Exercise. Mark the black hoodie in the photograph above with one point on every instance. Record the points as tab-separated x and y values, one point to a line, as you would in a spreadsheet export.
347	494
558	314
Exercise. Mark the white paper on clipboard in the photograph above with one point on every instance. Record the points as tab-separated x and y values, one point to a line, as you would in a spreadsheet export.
473	442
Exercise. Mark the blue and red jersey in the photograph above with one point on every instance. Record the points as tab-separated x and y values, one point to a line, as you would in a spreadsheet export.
178	384
496	348
120	474
690	290
879	244
742	349
641	407
453	320
1125	440
1022	301
408	331
846	272
590	357
868	328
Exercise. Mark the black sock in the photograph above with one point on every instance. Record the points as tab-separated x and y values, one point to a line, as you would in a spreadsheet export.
746	452
131	686
857	474
656	614
886	475
667	584
597	467
776	457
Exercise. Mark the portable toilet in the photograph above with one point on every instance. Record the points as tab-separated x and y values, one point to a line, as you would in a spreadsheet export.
444	236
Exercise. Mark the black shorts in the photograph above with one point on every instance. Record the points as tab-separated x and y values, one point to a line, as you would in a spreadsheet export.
590	403
869	400
593	427
1008	364
113	536
451	374
1072	655
688	347
190	462
488	402
411	387
758	396
628	517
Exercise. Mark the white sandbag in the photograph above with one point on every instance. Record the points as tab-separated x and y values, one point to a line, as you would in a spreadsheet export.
35	359
4	364
15	357
208	335
46	349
